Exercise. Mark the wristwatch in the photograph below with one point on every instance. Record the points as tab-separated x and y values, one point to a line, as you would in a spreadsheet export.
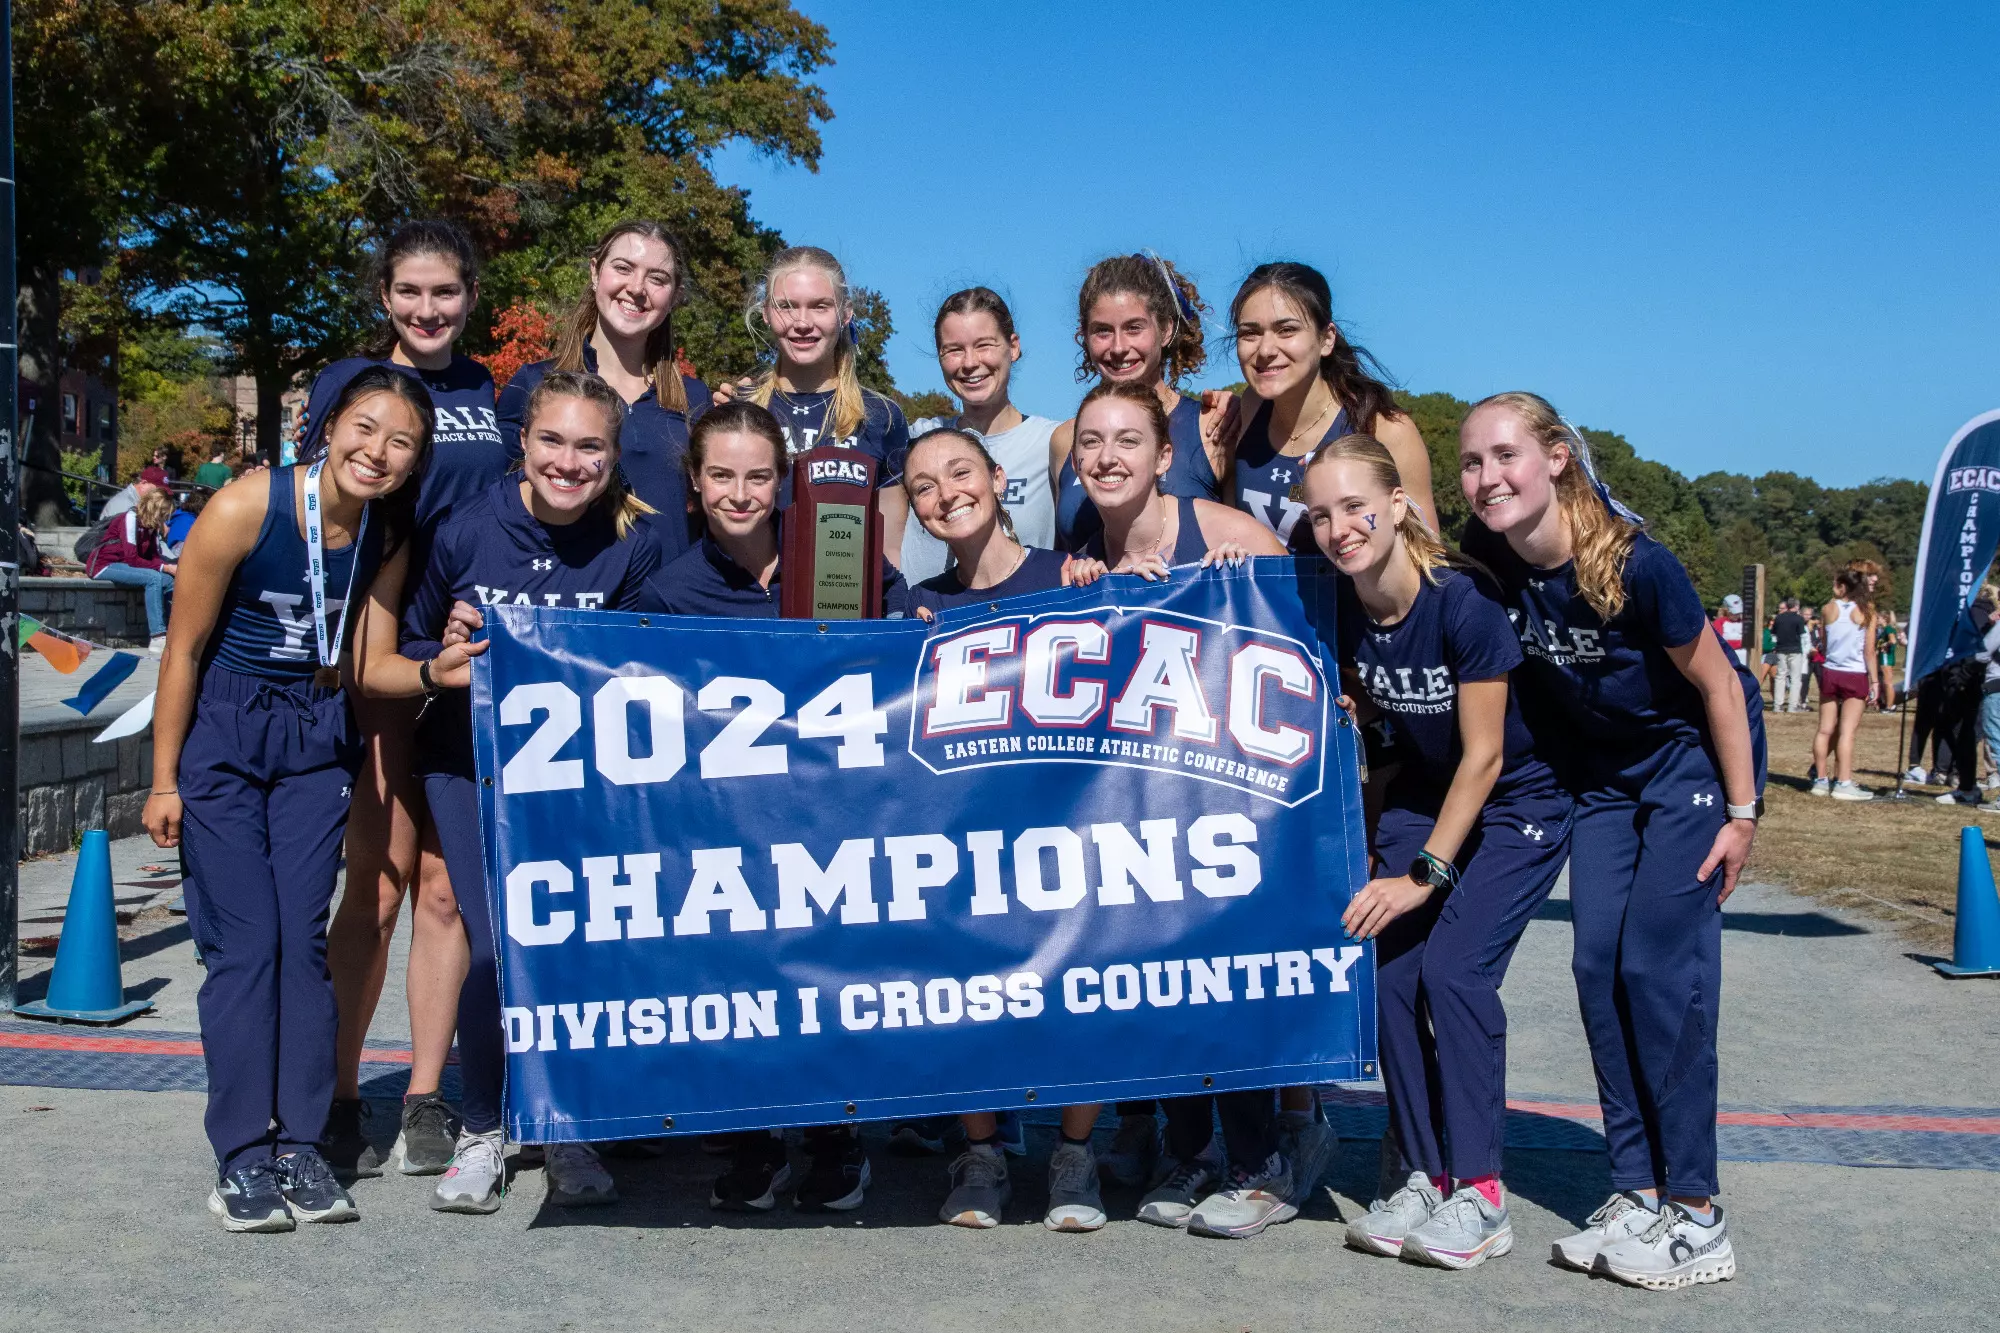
1433	871
1748	812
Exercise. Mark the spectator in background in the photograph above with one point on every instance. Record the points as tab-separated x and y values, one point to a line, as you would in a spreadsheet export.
130	555
1789	643
1888	639
1960	700
182	523
1846	683
215	473
1729	624
128	498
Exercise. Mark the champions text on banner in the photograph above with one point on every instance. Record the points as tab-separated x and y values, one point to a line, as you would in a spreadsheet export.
1078	846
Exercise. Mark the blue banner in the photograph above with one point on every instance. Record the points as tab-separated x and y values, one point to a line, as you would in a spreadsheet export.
1087	845
1961	529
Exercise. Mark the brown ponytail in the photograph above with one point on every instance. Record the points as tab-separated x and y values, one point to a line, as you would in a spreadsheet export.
1171	299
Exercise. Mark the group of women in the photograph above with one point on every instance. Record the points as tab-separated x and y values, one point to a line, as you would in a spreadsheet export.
1550	692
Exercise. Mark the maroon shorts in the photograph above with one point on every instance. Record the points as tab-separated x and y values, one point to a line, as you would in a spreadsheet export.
1837	685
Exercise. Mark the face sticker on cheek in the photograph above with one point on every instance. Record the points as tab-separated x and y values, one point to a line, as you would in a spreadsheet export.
597	466
1370	519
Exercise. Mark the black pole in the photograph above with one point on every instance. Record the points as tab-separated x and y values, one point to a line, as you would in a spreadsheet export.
10	543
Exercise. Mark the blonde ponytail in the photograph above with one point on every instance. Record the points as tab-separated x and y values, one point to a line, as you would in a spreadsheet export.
1600	541
1420	544
850	404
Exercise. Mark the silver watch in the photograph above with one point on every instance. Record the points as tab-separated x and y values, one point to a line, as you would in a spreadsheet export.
1748	812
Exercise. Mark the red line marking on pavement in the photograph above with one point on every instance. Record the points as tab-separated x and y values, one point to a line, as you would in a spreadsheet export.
1917	1124
36	1041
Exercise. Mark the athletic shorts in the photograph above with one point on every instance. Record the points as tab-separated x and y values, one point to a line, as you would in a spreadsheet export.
1837	685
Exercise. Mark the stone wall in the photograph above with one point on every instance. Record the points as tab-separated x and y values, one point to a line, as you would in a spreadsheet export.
70	784
101	612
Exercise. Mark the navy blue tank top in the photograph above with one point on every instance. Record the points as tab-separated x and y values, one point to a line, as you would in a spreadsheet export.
266	625
1265	480
1189	545
1190	474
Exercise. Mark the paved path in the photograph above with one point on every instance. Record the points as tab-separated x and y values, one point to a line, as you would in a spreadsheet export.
1835	1044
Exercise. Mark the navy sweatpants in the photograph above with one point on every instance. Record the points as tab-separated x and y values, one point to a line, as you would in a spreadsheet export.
265	777
482	1057
1648	964
1442	1030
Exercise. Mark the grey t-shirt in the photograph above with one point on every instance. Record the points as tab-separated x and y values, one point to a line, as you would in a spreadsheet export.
1023	453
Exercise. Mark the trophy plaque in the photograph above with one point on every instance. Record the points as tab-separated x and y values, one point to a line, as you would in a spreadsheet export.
832	556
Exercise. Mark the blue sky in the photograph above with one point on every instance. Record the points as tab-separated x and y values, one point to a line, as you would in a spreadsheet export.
1749	237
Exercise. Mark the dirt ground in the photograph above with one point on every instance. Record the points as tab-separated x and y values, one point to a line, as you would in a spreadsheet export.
1895	860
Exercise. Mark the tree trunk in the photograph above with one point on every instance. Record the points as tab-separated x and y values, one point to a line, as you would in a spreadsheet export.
271	386
38	307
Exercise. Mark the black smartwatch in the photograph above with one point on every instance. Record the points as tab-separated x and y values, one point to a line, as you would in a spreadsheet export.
1430	870
424	678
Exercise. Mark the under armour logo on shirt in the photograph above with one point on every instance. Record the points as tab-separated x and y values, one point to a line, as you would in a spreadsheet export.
1532	831
544	564
1704	798
798	411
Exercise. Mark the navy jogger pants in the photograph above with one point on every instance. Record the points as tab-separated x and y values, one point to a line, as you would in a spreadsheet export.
482	1058
1648	965
265	778
1442	1031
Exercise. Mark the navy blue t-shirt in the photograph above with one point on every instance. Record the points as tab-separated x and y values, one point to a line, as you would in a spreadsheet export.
706	582
1598	694
1041	571
467	451
1455	631
652	445
493	552
1265	479
805	418
1189	474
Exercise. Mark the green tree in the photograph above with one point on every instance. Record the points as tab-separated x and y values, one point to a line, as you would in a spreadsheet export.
304	129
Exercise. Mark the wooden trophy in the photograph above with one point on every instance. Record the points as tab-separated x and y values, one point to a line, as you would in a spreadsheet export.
832	556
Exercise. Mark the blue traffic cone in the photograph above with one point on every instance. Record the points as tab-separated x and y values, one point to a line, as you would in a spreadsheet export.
87	985
1975	944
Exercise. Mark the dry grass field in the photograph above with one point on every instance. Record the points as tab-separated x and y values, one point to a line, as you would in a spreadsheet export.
1896	860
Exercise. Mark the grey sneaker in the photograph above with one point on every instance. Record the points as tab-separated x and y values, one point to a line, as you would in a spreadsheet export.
1821	787
476	1181
345	1144
1074	1201
1382	1228
1172	1201
1310	1145
1623	1214
1464	1232
576	1178
1847	790
1250	1202
980	1188
1134	1149
429	1137
1675	1251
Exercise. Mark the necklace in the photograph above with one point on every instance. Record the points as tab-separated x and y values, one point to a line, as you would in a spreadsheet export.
1307	429
1012	569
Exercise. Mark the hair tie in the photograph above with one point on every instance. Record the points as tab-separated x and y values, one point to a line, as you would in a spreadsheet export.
1181	302
1581	447
854	335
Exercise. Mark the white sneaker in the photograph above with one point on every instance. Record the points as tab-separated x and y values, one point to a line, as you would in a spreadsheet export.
1074	1201
476	1180
1250	1202
1464	1232
1989	782
1675	1251
1849	790
1821	787
576	1178
1382	1228
157	644
1623	1214
1917	775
